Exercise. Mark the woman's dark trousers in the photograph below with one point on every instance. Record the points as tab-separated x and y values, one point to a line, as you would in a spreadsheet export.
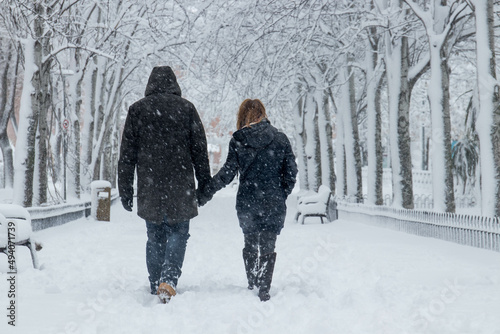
259	258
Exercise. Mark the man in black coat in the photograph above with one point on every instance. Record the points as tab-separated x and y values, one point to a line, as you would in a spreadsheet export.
164	141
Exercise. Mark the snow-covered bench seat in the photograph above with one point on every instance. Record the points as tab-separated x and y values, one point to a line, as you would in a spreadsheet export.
21	233
314	205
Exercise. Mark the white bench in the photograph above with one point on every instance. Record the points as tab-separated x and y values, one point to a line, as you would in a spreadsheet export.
19	220
314	205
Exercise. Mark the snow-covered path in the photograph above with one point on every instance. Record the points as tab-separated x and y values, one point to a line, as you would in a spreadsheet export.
343	277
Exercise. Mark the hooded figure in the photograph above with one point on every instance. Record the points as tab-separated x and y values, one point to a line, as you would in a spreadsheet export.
264	159
164	142
266	164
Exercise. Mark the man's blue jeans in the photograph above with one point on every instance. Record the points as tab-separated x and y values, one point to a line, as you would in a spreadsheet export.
165	250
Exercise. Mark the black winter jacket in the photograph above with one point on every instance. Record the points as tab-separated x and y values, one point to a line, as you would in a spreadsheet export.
263	156
164	139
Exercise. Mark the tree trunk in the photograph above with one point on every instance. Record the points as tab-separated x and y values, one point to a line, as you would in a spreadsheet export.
374	115
439	99
340	155
8	161
8	85
105	93
115	152
325	136
399	109
75	87
312	142
440	22
489	109
28	118
300	142
351	135
403	126
106	162
93	96
44	94
42	98
91	85
110	155
35	104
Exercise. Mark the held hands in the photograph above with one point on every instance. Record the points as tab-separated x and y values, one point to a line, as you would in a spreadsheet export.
127	203
203	195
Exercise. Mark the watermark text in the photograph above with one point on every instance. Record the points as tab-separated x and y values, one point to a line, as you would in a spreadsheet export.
11	274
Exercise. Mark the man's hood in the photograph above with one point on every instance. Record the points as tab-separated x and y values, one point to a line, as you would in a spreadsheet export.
257	136
162	80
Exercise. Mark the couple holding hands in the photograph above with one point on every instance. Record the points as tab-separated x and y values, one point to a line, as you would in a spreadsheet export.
164	141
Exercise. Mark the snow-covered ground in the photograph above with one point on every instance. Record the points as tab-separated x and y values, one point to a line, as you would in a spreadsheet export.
342	277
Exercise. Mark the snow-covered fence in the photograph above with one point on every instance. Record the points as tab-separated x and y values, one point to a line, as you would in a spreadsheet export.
465	201
421	178
54	215
423	202
476	231
422	187
426	202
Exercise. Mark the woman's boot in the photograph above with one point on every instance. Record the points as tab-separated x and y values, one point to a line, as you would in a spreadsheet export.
265	277
251	262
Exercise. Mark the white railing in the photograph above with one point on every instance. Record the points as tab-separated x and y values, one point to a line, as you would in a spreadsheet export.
54	215
476	231
426	202
422	189
421	178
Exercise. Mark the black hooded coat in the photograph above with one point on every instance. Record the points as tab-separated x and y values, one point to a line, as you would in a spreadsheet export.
165	141
265	161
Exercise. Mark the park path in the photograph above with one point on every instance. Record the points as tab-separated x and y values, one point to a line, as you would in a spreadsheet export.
342	277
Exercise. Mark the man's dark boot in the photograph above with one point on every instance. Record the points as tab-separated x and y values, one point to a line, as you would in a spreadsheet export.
266	264
250	259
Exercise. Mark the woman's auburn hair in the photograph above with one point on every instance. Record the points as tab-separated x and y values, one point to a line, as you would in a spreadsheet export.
250	112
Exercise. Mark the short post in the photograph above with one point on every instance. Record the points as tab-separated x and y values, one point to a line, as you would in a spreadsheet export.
101	200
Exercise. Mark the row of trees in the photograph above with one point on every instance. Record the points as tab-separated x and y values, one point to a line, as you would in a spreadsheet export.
69	68
342	68
356	60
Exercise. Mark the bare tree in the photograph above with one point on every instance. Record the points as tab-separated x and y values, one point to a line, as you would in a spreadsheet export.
440	23
9	65
374	79
489	108
351	133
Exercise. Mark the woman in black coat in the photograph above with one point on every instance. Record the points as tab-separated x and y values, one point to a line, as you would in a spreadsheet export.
266	165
